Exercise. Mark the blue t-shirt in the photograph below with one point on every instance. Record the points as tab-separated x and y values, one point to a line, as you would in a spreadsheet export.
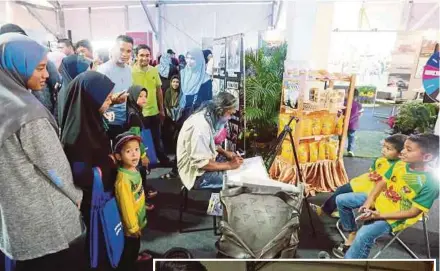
121	77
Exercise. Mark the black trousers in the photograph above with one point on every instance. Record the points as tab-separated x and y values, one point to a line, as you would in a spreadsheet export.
153	123
71	259
130	254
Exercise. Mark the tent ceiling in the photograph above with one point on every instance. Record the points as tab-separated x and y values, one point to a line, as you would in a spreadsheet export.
109	3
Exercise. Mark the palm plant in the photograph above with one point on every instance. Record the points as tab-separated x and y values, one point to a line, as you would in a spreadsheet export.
264	79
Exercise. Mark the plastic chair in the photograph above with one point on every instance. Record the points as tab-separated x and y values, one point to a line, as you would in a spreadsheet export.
395	236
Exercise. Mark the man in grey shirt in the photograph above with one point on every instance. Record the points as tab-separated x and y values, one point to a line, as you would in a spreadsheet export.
118	70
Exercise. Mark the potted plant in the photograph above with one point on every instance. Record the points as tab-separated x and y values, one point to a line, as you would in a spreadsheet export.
264	78
415	117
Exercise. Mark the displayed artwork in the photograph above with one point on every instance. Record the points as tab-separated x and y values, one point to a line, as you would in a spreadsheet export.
291	92
219	53
216	88
399	80
233	54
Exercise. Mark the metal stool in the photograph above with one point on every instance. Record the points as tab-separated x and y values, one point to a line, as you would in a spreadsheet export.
395	236
183	207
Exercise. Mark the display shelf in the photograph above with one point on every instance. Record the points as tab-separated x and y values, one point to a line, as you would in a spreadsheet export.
324	174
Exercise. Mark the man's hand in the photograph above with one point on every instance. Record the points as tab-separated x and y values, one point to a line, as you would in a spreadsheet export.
138	234
145	161
118	98
365	207
230	155
236	162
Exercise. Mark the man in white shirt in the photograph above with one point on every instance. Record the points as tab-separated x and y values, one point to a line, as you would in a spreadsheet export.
118	70
198	162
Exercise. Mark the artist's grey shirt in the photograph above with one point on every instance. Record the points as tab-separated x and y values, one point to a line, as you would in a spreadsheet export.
38	212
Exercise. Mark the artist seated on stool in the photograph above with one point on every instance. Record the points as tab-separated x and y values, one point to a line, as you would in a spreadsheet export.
199	161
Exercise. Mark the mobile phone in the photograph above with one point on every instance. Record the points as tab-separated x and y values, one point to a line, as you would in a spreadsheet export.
122	93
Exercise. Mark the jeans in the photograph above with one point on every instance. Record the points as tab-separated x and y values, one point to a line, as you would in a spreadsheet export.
153	123
350	138
211	179
367	234
329	205
365	238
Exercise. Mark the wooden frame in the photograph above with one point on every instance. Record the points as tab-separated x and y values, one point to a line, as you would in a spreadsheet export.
300	113
325	174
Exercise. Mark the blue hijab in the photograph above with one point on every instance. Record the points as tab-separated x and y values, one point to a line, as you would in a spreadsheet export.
164	65
192	77
19	56
70	68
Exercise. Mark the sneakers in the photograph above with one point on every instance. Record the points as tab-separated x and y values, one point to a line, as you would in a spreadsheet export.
339	250
350	154
335	214
317	209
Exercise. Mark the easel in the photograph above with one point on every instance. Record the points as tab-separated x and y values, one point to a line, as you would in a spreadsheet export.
269	159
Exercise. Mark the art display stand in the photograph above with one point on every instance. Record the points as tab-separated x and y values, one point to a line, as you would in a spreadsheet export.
320	129
228	75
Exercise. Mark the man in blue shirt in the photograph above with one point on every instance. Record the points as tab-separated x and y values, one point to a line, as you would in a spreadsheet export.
118	70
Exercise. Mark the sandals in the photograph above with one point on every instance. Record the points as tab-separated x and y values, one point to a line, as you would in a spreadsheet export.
149	207
339	250
144	256
170	175
151	194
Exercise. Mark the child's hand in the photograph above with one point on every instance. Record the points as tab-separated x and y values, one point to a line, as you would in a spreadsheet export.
370	215
145	161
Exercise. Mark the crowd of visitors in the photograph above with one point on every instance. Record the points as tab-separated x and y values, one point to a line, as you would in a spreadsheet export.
71	113
92	108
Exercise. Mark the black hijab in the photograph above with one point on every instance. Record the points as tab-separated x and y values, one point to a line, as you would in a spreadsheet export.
132	106
71	66
82	131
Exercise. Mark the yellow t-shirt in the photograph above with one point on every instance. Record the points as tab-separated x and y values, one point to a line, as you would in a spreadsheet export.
407	188
150	80
130	196
363	184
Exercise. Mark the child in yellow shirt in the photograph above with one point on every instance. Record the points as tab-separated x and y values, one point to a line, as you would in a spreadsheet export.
407	191
130	196
364	183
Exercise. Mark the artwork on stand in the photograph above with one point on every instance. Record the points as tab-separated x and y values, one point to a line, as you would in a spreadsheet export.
233	54
291	92
219	53
218	85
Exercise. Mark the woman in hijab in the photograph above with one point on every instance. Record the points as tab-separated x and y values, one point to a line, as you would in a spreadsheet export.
137	98
196	84
171	105
166	71
70	68
182	62
84	137
39	216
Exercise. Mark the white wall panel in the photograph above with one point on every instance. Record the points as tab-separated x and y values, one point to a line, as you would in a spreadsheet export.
185	26
107	24
137	20
77	20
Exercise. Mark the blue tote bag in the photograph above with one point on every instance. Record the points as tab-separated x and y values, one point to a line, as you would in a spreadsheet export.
147	139
105	217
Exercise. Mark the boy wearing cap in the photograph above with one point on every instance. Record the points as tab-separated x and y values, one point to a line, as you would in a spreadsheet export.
130	196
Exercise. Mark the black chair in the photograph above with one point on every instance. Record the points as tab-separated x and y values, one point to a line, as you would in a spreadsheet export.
184	206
